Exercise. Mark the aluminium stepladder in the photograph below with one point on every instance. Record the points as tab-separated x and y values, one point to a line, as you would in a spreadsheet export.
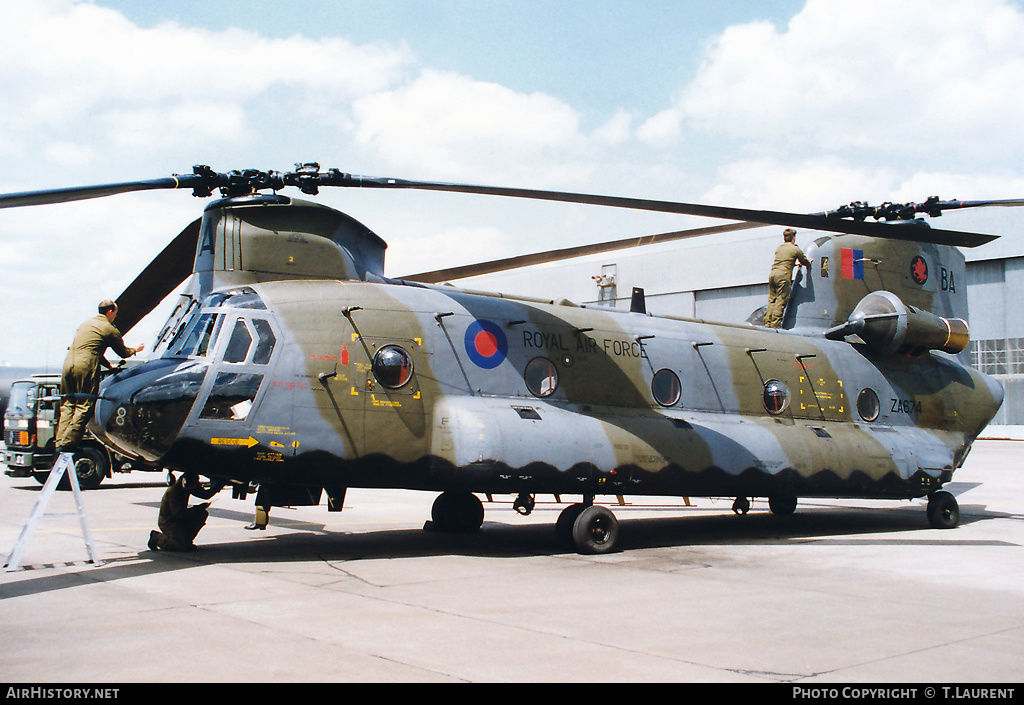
64	464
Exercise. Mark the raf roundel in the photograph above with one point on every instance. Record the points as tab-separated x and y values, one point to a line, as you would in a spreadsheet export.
486	344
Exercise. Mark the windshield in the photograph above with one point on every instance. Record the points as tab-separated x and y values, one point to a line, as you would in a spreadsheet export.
23	396
202	333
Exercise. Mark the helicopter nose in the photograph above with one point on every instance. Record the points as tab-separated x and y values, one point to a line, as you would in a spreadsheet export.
141	412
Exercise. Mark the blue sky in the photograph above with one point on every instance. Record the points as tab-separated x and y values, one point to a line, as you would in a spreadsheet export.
795	105
642	50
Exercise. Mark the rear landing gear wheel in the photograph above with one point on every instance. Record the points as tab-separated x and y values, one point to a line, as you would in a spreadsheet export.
943	510
741	505
460	512
563	527
596	530
782	504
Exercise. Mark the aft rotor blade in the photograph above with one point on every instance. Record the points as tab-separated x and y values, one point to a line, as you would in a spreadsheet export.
81	193
1005	202
160	277
918	232
500	265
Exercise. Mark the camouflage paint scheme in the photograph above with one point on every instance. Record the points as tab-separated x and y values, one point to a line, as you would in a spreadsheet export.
315	414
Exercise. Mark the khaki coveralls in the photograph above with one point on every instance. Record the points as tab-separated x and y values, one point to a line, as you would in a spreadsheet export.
780	282
179	523
81	375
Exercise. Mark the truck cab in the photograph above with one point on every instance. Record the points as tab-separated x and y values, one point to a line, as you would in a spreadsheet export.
30	428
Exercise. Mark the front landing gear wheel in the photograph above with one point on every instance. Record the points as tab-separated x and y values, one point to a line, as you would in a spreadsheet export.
460	512
596	530
943	510
741	506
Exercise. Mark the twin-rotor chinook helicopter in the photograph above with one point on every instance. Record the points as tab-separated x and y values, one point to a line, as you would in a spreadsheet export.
293	363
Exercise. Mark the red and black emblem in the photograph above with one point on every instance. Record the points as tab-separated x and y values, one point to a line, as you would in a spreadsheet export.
919	270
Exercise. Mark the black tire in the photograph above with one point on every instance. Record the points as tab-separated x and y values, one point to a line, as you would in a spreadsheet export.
91	466
439	512
460	512
566	520
595	531
943	510
783	505
741	506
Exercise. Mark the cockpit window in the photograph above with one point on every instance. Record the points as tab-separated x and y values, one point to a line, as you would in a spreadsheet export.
238	345
236	298
247	299
265	347
232	396
201	336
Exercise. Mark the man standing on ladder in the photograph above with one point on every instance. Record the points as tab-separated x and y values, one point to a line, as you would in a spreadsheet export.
80	382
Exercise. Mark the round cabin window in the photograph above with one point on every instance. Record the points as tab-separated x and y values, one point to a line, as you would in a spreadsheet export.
665	387
867	404
776	396
392	366
541	377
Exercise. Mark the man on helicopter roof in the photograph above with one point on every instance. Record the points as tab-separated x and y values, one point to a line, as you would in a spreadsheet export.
780	284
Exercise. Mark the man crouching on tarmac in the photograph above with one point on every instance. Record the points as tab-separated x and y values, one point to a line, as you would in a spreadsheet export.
179	523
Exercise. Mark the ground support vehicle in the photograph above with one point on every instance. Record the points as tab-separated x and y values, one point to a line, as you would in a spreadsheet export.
30	428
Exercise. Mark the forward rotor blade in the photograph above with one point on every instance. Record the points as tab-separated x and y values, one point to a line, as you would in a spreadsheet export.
160	277
906	231
81	193
500	265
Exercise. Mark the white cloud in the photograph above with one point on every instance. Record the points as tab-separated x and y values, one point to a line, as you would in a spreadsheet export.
450	124
809	185
616	130
820	184
76	75
932	77
435	250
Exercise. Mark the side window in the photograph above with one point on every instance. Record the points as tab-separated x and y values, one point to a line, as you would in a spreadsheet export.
541	377
665	387
49	399
238	345
267	340
776	396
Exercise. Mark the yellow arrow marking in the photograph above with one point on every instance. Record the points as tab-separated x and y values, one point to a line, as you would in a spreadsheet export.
247	442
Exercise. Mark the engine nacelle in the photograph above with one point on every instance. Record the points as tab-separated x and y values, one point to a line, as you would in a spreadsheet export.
892	327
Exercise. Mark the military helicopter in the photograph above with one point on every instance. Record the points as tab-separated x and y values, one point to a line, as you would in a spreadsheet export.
293	363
